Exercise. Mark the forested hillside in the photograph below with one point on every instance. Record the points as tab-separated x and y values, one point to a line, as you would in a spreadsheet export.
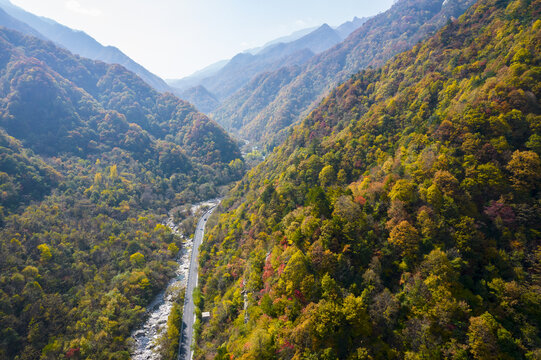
402	218
261	109
91	161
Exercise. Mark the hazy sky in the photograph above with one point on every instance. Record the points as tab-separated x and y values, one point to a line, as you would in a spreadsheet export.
174	38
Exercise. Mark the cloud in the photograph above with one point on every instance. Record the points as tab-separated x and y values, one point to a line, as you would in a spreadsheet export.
76	7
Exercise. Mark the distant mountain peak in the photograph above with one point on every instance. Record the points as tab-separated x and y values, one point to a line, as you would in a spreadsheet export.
348	27
325	26
292	50
260	110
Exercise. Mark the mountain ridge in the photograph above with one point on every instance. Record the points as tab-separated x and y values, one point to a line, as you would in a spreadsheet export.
80	43
225	79
376	40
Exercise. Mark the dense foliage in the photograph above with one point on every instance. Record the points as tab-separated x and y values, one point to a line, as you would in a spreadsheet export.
402	219
23	176
273	101
91	161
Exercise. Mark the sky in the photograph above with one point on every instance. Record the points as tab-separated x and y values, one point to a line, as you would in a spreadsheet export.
174	38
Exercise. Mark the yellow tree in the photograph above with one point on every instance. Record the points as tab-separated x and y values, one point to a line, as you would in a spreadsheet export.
405	237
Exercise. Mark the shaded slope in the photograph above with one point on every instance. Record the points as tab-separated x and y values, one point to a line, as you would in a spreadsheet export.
23	176
67	92
202	99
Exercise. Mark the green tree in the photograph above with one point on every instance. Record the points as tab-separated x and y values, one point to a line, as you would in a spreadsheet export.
137	259
483	338
403	190
327	175
525	168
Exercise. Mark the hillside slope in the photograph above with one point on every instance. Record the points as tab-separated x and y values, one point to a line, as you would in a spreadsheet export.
35	73
273	109
92	159
202	99
10	22
402	218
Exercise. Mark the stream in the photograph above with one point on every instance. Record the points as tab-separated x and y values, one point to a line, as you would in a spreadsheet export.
144	347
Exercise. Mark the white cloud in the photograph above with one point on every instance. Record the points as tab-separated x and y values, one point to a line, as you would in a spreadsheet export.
76	7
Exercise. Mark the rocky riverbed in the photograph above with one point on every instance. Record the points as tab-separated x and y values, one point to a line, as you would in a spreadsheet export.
144	344
160	308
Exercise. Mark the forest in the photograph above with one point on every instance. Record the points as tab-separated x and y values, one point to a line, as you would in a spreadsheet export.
402	218
92	160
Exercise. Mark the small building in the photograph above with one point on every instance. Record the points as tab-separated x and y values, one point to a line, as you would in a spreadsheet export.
205	316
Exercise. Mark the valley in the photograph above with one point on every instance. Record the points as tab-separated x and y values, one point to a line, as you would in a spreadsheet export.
364	191
188	318
148	344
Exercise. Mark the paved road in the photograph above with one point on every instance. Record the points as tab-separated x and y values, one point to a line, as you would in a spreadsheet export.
185	351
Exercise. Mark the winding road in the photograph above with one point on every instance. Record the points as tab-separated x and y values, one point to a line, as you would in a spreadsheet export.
185	351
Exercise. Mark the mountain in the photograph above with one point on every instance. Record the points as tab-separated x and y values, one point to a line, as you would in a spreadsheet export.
348	27
401	219
275	109
211	70
296	49
92	161
342	31
82	85
317	41
199	96
10	22
285	39
79	43
241	68
196	77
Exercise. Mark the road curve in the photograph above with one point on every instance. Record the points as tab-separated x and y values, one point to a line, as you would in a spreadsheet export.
185	351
